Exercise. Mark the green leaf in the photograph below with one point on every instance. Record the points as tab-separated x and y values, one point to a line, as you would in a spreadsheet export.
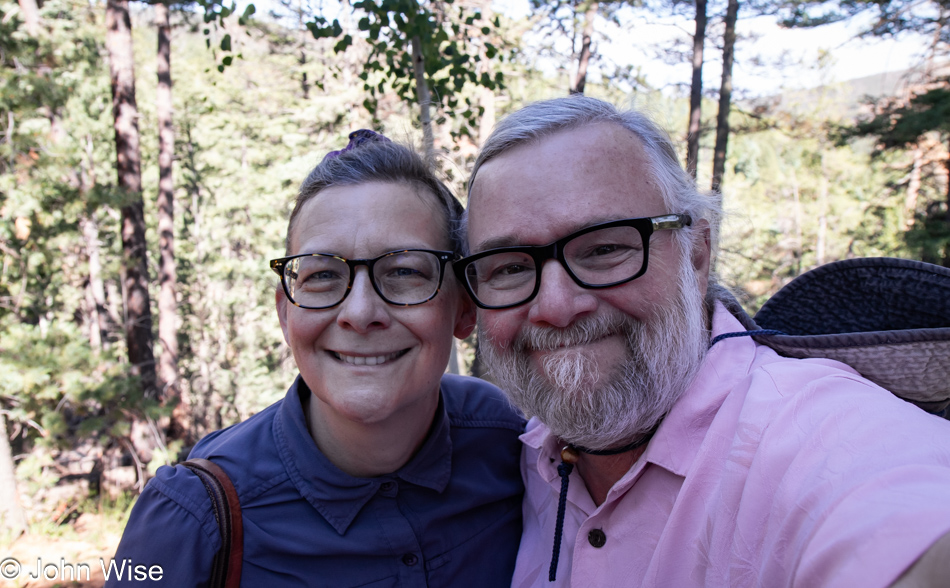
226	43
341	46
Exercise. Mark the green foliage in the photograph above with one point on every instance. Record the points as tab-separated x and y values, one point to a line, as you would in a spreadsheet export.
891	17
904	123
456	51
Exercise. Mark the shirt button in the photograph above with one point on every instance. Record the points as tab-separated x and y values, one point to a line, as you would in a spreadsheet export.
597	538
387	486
410	559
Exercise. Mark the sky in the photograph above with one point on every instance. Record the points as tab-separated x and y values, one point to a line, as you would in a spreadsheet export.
764	39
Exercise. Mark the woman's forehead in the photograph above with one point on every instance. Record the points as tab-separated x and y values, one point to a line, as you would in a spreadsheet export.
370	216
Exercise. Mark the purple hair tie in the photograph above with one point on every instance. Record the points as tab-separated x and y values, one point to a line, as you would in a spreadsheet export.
358	138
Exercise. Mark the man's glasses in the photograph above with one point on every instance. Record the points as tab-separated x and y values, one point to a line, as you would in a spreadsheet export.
401	278
599	256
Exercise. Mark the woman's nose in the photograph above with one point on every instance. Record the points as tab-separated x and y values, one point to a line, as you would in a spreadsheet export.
363	309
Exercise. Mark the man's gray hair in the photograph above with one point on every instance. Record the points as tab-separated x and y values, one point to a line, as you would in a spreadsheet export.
541	119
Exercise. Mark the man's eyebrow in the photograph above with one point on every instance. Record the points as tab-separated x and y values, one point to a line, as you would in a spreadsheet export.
514	241
496	242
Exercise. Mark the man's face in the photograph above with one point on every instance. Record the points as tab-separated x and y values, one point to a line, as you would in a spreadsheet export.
576	357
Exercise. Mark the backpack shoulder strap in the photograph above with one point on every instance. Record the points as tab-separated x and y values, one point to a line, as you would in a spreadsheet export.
226	568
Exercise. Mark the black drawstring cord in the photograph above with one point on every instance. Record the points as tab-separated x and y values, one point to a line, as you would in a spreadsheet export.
719	338
564	470
569	456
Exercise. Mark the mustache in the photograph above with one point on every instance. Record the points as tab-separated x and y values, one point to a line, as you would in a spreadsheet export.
583	331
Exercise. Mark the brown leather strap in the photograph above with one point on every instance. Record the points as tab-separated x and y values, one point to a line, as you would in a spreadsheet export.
226	569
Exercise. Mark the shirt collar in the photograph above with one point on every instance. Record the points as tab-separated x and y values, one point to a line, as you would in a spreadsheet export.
338	496
677	441
680	435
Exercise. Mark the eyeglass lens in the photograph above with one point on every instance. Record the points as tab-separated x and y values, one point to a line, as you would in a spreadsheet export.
599	257
407	277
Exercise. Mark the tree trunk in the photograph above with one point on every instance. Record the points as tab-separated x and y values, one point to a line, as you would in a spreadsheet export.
99	323
31	16
99	331
823	213
486	97
167	305
725	95
696	91
913	189
946	250
584	60
13	521
425	100
138	318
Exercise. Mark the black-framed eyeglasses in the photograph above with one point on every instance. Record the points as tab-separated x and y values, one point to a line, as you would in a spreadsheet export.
598	256
402	278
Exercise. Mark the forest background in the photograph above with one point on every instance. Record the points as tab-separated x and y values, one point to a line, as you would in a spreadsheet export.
137	216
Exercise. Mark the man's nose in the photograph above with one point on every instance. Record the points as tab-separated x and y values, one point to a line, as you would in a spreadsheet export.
560	301
363	309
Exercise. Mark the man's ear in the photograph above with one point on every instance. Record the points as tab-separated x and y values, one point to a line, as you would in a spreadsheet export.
280	300
465	317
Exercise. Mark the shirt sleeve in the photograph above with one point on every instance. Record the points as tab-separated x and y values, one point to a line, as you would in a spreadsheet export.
171	534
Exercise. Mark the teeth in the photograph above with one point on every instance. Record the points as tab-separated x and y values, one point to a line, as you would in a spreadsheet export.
362	360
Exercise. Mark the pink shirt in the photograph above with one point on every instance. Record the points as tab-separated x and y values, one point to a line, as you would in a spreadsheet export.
768	472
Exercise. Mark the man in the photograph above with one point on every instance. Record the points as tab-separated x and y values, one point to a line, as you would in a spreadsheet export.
695	465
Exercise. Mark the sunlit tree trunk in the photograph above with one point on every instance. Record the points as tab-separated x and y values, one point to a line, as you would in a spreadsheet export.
424	98
486	97
138	318
167	277
584	59
696	91
725	95
13	521
31	16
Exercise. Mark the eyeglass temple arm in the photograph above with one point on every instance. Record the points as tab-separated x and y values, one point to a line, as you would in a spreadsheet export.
671	221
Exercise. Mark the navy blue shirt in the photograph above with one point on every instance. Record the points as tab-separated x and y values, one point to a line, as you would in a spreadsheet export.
450	517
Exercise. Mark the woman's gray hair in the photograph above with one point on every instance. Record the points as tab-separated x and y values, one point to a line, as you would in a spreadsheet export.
541	119
380	161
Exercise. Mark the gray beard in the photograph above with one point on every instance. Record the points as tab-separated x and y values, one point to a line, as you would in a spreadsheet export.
589	408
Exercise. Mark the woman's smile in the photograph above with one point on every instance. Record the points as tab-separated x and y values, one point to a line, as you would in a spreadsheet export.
368	359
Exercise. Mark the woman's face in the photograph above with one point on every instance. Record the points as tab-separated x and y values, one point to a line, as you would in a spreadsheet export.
334	347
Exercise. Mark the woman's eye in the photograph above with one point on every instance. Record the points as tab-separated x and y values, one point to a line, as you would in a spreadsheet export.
405	272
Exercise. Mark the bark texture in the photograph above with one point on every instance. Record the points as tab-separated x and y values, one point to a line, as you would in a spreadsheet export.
138	317
696	91
584	59
167	277
424	98
725	95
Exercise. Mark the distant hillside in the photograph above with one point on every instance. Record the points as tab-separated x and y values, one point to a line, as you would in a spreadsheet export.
844	99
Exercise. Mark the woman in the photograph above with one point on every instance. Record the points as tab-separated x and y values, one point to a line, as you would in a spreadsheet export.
376	469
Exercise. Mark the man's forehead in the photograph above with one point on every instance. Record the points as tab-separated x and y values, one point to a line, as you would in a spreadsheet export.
545	189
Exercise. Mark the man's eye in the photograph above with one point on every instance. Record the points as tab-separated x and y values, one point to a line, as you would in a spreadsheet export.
605	249
511	269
